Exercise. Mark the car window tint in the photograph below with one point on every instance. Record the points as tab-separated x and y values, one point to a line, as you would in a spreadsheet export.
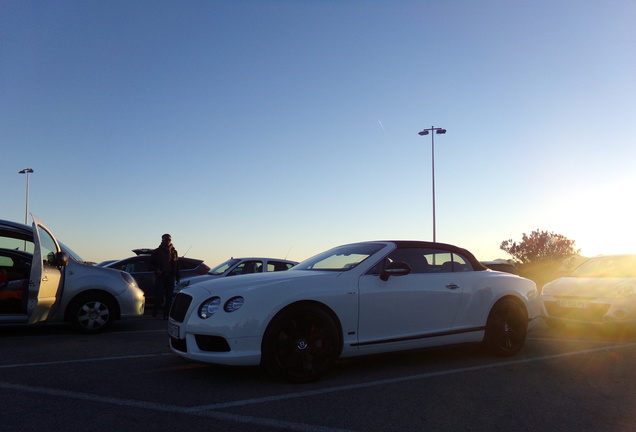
341	258
427	260
137	267
278	266
416	258
117	266
223	267
247	267
446	262
17	244
48	247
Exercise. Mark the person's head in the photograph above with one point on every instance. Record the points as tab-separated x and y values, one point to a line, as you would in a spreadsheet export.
166	239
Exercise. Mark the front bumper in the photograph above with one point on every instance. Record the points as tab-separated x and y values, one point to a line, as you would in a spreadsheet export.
245	351
596	311
132	303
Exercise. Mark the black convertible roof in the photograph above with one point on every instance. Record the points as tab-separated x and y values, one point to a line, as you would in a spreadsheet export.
435	245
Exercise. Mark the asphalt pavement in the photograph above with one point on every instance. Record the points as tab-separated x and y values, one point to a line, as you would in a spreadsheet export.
574	379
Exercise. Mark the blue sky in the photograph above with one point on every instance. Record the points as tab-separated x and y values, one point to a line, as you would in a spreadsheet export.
283	128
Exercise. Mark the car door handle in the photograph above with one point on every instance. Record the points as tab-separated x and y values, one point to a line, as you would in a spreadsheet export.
452	286
45	279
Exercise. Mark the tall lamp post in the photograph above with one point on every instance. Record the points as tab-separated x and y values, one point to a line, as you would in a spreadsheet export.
433	130
26	171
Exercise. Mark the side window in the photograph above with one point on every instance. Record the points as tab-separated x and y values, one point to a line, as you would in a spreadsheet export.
416	258
438	258
425	260
447	262
17	244
118	266
48	247
247	267
140	266
278	266
136	267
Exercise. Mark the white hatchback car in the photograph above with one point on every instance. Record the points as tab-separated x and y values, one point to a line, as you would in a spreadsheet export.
41	280
353	300
602	290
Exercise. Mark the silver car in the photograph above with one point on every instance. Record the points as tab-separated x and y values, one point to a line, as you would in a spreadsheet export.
239	266
41	280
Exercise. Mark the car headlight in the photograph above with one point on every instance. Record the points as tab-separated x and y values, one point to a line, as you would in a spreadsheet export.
209	307
547	289
233	304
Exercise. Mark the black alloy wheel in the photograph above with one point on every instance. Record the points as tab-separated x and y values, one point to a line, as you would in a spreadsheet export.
300	344
506	328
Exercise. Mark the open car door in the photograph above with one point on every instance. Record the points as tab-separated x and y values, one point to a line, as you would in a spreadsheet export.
44	281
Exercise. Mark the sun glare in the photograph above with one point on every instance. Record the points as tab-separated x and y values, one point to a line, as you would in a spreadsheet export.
600	220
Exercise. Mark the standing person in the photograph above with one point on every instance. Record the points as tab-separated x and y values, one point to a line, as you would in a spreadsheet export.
165	262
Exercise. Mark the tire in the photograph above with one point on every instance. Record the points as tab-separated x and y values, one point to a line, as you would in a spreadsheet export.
506	328
300	344
92	313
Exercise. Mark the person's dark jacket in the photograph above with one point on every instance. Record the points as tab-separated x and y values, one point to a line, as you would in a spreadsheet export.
165	260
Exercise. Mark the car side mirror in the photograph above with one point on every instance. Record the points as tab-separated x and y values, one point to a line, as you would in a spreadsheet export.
396	268
61	259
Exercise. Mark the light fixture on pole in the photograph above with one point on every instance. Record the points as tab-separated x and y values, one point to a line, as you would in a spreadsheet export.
426	132
26	171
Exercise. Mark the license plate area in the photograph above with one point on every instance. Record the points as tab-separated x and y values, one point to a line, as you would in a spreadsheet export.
574	303
173	331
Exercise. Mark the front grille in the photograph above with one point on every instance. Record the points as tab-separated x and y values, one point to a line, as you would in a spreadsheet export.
212	343
593	313
180	306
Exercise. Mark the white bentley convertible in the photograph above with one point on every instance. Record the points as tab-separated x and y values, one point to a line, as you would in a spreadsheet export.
353	300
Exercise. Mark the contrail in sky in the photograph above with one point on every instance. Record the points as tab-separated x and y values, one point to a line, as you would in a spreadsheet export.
382	126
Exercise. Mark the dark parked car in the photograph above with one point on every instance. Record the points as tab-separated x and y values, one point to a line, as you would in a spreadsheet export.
139	267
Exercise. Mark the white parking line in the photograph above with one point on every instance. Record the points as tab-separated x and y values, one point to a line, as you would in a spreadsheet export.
401	379
128	403
211	410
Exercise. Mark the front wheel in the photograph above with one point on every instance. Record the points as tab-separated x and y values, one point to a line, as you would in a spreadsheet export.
300	344
506	328
92	313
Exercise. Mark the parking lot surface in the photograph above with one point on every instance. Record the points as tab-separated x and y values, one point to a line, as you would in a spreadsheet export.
127	380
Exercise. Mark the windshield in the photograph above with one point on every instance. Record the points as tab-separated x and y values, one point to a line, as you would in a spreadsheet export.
341	258
222	268
623	266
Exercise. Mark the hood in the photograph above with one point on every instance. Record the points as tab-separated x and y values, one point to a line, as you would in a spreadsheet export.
590	287
245	283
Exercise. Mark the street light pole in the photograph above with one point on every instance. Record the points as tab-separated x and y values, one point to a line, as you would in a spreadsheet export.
26	171
426	132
